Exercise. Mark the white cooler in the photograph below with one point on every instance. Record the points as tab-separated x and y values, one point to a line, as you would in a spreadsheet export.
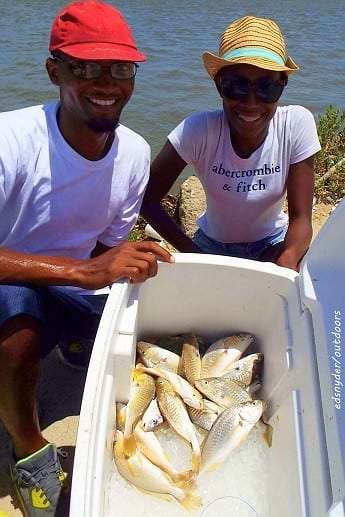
298	322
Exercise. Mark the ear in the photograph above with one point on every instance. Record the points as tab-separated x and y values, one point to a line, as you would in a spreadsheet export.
52	68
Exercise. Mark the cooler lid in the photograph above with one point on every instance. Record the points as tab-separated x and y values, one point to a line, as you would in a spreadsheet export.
322	288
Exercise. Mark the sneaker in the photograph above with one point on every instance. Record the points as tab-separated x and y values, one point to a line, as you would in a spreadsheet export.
38	480
75	355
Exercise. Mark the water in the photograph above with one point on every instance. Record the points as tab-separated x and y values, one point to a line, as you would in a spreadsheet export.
173	82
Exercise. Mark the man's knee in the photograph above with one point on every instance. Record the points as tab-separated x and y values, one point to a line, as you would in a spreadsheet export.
19	341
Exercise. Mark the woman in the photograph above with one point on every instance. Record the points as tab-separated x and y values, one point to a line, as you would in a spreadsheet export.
250	156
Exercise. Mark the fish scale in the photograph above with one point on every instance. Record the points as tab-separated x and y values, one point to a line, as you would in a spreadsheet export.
223	391
229	430
175	412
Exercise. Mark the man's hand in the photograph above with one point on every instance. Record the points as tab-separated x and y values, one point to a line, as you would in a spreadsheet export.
134	260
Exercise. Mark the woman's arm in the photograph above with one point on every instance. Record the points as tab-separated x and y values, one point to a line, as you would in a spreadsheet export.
165	169
300	192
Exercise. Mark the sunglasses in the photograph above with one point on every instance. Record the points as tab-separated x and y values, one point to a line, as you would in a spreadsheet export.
266	90
93	70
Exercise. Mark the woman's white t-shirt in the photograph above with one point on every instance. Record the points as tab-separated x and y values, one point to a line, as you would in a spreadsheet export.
244	197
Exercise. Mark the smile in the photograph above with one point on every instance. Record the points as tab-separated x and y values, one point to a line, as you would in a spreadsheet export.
249	118
101	102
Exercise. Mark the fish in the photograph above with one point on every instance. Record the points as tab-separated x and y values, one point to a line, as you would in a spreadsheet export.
150	446
171	342
244	370
175	412
229	430
223	353
152	417
206	416
190	358
142	391
223	391
174	343
143	474
254	387
154	356
188	393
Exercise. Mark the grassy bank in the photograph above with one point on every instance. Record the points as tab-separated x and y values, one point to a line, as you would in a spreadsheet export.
330	161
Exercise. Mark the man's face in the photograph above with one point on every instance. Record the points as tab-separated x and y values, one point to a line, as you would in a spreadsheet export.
95	102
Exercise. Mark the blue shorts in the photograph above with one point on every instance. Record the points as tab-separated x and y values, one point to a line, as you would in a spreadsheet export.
249	250
63	316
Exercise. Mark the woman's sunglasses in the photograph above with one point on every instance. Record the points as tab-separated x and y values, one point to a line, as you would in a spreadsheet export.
237	88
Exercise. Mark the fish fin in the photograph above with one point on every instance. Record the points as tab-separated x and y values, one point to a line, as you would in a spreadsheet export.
267	434
129	445
211	467
180	368
191	501
159	495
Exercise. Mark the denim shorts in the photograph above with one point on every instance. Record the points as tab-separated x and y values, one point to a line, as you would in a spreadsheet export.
249	250
63	316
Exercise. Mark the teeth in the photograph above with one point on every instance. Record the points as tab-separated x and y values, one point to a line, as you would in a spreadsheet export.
248	118
100	102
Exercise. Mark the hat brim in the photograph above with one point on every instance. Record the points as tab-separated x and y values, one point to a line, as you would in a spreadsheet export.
215	63
106	51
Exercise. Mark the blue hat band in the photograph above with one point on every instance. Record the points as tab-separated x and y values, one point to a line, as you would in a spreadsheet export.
253	52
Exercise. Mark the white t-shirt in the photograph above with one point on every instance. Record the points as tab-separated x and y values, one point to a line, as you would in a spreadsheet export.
55	202
244	196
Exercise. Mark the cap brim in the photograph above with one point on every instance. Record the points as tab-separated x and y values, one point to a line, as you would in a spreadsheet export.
106	51
215	63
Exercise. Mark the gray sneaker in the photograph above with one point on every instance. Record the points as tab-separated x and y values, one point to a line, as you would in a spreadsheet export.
38	480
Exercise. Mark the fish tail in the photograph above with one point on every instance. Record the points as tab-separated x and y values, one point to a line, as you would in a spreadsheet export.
121	418
184	479
129	445
191	501
196	462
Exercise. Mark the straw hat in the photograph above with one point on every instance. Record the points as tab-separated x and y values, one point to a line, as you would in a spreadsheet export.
252	41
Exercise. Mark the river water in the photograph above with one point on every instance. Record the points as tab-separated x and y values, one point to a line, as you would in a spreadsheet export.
173	83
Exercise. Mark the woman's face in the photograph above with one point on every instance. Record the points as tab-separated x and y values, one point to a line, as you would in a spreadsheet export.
250	98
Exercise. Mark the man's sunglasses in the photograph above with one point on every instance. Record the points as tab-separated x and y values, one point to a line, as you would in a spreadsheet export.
93	70
237	88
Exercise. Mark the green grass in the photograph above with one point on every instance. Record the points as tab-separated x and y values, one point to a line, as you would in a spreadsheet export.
330	162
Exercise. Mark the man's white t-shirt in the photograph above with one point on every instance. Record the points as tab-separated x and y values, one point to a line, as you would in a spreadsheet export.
55	202
244	197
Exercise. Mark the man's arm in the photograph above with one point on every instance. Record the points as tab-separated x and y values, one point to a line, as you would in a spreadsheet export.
165	169
300	191
135	260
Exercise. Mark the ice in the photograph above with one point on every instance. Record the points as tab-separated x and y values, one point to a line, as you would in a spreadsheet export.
237	488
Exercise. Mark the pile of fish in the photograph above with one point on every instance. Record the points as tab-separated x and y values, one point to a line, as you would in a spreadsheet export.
205	397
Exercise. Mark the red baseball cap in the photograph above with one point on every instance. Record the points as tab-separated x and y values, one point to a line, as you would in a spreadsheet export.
93	30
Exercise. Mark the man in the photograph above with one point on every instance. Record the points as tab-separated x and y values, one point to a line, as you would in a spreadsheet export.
71	185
